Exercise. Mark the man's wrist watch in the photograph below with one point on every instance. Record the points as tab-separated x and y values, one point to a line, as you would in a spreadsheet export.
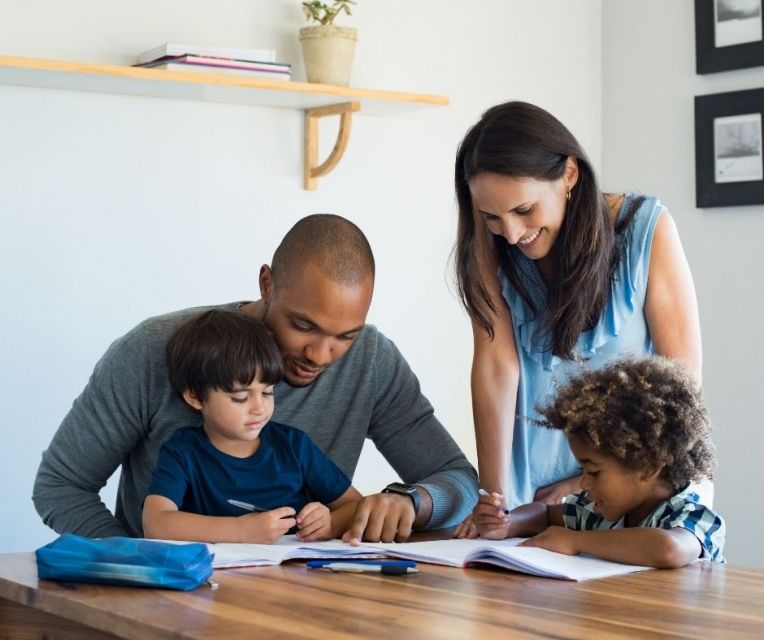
405	490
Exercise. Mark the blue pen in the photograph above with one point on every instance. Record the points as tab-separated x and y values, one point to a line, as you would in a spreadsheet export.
385	567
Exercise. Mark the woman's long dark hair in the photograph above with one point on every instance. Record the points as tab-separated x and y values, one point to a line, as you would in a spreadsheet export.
521	140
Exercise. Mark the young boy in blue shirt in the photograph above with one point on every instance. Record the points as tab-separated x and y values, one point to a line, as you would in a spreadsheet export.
239	478
640	431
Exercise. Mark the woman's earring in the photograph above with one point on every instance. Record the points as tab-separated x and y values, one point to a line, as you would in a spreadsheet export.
568	195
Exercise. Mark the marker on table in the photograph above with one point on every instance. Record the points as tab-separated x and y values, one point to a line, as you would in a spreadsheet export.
245	505
385	567
483	492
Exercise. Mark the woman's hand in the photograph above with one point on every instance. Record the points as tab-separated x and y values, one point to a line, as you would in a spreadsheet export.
554	493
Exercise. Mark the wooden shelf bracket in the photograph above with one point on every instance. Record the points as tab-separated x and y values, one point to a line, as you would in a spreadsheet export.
315	100
312	170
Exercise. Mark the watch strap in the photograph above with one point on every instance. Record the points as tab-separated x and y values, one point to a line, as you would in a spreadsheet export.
405	490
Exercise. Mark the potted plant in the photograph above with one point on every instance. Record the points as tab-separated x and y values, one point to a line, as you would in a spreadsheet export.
327	48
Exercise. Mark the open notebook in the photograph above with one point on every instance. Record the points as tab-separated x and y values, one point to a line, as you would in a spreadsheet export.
455	553
231	554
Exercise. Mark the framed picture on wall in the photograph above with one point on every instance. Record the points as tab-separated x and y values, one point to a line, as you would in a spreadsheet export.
729	149
729	34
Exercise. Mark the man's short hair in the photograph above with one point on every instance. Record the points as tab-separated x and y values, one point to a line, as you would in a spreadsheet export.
335	245
218	350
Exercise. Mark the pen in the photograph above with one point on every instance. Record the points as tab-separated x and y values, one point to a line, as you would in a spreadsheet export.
385	567
245	505
483	492
320	564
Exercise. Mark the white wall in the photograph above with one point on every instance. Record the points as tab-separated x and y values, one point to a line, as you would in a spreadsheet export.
649	82
113	208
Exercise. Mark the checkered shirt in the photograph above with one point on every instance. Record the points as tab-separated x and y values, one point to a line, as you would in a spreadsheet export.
683	511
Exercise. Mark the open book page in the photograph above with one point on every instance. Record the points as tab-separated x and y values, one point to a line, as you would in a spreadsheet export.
455	553
232	554
248	555
549	564
449	552
507	555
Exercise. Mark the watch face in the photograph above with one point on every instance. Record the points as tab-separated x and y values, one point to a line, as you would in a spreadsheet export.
404	489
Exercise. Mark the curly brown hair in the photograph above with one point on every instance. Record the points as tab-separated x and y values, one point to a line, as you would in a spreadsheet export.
646	413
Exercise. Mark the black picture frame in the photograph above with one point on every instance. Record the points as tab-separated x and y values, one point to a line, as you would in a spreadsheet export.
711	59
709	192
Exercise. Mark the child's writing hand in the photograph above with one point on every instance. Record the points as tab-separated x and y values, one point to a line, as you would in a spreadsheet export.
314	522
489	517
266	527
467	528
557	539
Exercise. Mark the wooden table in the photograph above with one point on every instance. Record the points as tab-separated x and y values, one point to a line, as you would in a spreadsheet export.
290	601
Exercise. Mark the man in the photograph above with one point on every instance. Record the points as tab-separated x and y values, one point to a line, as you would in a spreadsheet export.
344	382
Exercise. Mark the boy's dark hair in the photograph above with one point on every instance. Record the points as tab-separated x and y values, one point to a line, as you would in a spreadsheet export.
220	349
643	412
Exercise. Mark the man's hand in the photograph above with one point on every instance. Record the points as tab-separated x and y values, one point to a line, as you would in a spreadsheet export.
388	517
314	522
557	539
266	527
554	493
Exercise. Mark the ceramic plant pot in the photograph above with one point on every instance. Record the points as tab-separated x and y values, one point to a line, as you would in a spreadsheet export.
328	53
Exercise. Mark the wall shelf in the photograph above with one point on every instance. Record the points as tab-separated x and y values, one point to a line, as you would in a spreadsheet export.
316	100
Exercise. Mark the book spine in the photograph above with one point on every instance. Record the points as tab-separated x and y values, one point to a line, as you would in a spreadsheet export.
233	63
175	50
249	55
204	68
212	67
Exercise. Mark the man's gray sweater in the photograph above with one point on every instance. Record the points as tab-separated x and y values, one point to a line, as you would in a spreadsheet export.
128	409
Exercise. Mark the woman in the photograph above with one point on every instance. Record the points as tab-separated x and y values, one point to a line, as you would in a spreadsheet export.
555	276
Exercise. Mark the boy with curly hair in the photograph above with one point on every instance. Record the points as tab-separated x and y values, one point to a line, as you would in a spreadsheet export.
641	433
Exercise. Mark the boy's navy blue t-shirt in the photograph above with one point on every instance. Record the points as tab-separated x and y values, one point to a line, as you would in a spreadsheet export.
287	470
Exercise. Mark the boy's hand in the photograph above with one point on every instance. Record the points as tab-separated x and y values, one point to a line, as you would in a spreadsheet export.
490	520
557	539
266	527
314	522
467	528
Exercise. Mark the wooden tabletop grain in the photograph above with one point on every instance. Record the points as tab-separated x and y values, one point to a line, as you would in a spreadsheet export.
290	601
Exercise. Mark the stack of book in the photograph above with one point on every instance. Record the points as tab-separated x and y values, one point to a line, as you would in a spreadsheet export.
254	63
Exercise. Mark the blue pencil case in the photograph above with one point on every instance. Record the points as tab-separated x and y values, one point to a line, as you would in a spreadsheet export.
133	562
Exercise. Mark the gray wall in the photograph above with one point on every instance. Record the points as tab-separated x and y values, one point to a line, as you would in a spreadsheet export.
649	82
